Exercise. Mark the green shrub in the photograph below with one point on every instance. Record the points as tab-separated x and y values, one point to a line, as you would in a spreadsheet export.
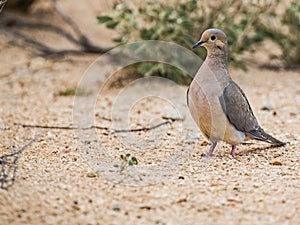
284	31
183	23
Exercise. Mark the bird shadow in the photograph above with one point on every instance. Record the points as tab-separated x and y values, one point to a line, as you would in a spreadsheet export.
256	149
250	150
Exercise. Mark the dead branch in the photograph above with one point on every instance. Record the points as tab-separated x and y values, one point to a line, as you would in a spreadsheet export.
2	4
8	164
11	21
143	128
60	127
94	127
83	39
10	24
26	40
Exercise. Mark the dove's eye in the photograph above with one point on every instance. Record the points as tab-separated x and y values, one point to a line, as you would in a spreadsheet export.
213	37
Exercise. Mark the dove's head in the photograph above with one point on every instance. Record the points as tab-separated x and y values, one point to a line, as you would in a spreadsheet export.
215	41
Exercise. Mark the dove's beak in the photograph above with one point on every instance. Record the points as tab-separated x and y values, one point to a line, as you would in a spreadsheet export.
199	43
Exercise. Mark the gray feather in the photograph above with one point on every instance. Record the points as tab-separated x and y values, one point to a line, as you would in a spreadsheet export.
239	113
237	108
187	96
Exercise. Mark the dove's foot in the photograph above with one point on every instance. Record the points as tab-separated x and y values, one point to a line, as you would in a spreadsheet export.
211	149
233	151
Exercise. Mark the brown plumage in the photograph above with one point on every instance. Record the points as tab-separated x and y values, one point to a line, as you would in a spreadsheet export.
218	105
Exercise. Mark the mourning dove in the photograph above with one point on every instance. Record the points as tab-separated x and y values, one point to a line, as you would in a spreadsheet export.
217	104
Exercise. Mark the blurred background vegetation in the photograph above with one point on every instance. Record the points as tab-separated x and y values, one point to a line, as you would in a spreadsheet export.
247	24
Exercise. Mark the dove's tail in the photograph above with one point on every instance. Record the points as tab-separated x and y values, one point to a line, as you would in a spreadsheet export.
261	135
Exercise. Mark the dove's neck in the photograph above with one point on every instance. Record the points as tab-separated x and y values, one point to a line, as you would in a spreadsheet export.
215	68
217	58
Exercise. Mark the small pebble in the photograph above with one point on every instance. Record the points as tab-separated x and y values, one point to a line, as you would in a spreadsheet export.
267	107
91	175
223	201
204	143
117	207
276	163
172	114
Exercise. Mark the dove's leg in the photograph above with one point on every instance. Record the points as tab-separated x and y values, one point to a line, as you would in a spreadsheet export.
211	149
232	151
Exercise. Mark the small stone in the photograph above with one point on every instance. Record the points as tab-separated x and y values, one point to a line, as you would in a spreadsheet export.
267	107
75	207
213	184
172	114
223	201
181	200
204	143
145	207
255	185
117	207
91	174
276	163
236	189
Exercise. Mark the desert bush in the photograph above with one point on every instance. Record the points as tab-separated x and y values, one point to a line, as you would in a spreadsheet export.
183	22
284	31
20	5
291	47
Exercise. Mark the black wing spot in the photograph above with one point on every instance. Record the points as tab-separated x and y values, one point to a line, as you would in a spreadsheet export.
187	96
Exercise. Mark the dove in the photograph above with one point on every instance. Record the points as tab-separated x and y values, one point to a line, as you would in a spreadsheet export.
217	104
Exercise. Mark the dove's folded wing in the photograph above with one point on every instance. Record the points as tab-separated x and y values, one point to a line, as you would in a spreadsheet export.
237	108
239	113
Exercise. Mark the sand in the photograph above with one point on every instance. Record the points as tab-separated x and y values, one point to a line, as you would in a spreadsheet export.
75	176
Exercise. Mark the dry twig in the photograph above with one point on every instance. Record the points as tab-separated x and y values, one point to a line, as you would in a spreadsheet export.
8	164
2	4
9	23
95	127
142	129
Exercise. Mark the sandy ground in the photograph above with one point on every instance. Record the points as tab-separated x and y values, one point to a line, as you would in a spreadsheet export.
78	177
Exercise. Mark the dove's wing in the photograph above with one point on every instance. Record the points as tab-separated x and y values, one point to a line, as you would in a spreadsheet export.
239	113
238	110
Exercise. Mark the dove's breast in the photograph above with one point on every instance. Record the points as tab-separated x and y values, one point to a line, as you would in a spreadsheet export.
207	111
